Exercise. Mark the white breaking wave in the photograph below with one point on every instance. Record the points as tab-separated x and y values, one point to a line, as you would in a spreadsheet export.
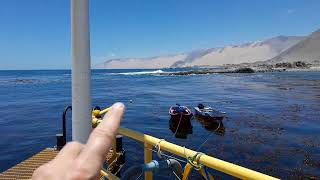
141	72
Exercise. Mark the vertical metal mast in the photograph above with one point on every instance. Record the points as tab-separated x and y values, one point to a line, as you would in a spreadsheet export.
81	70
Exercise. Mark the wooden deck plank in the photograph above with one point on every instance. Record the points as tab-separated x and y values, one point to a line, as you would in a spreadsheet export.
24	169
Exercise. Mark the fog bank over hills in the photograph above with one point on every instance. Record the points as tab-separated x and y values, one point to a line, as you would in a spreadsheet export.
273	50
307	50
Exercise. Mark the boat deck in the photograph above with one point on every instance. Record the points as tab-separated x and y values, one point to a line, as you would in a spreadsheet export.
24	169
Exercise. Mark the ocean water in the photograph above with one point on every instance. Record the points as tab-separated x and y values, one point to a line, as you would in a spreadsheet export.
272	123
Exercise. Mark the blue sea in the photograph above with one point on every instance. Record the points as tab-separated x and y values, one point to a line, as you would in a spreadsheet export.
272	122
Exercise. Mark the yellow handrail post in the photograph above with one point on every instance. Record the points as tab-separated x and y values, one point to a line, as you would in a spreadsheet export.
109	175
147	159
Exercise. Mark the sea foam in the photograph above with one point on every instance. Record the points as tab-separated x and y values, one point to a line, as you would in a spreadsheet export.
141	72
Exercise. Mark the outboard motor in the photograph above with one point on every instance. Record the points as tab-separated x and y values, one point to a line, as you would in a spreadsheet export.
201	106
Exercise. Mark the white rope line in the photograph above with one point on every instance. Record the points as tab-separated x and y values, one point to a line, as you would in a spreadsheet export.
178	125
210	133
158	146
176	175
139	176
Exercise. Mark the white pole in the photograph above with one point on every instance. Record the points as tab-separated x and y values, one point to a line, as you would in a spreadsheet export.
81	71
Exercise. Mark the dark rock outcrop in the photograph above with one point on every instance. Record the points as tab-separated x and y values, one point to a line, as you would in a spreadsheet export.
244	70
298	64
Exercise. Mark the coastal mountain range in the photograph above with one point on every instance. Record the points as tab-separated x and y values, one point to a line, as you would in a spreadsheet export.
307	50
270	51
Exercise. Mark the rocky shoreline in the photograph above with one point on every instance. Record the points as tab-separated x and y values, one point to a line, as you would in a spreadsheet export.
221	71
249	68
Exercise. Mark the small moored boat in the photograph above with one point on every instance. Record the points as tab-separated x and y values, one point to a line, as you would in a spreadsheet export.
208	113
180	113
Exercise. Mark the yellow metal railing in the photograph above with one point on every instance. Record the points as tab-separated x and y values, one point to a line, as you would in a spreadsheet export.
208	161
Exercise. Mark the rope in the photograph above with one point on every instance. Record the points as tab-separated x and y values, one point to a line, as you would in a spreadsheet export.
178	125
177	129
175	174
158	146
159	153
173	170
194	161
206	172
163	154
139	176
114	161
210	133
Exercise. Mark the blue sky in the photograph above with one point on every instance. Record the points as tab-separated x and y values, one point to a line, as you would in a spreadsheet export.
35	34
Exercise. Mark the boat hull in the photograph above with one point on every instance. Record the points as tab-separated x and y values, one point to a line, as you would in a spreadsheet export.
180	128
208	115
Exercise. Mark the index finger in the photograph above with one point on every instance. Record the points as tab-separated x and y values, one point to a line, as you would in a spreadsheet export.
100	139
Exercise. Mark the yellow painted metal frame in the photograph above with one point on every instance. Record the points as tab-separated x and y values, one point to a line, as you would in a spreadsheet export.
208	161
109	175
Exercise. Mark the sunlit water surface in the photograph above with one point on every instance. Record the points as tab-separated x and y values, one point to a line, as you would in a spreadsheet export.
272	122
